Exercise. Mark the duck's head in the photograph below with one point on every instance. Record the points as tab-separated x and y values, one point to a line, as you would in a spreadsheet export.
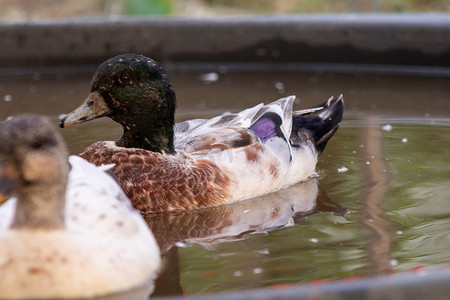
134	91
34	167
29	146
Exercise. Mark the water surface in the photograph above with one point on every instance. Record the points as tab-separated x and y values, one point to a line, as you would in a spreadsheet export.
380	204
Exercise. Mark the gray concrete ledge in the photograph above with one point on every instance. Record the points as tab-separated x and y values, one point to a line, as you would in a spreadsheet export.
421	40
403	286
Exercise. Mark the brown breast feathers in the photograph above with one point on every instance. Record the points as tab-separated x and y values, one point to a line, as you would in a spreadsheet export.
157	182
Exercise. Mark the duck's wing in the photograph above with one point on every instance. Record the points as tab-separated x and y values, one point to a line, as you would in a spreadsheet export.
259	124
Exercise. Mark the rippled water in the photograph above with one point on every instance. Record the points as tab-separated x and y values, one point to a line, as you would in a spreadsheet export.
380	204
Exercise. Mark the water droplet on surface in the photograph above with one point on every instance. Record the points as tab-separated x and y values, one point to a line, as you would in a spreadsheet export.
393	262
387	127
342	170
237	273
209	77
264	251
280	87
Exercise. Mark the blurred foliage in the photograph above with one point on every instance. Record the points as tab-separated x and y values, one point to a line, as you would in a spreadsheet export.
147	7
328	6
34	10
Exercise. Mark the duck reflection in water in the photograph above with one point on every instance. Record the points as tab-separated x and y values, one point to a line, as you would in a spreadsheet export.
233	222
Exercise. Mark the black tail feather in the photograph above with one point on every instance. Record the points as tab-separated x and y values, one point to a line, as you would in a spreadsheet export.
320	122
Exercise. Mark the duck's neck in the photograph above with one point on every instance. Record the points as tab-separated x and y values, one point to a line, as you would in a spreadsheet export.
39	207
154	137
149	125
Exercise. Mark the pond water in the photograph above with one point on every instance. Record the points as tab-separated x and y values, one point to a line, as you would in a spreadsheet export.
380	205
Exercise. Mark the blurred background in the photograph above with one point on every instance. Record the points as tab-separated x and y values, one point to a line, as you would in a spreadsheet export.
34	10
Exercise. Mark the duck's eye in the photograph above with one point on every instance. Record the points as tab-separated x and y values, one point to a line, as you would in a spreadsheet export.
37	144
124	78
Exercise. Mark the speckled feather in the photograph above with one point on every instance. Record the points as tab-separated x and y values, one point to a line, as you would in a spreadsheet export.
156	181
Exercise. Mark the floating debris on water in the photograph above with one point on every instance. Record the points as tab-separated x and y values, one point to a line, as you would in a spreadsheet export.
264	251
237	273
209	77
387	127
393	262
404	140
342	170
280	87
257	271
7	98
314	240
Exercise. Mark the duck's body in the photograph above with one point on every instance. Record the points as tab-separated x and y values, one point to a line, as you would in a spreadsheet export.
94	244
200	162
216	161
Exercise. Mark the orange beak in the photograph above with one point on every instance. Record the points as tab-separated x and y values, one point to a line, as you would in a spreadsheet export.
8	177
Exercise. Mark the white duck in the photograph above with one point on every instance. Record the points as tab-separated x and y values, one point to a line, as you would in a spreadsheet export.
71	232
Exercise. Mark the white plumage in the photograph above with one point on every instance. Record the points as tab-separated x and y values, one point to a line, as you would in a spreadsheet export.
104	247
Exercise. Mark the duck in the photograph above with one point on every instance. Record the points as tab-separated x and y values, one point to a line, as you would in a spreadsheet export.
68	231
163	166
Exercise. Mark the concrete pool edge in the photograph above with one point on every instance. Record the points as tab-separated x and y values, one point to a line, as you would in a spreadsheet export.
418	284
305	41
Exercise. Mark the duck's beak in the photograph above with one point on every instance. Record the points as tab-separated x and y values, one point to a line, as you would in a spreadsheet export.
92	108
8	177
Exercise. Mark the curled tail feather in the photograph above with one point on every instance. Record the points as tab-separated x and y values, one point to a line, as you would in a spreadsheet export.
320	122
